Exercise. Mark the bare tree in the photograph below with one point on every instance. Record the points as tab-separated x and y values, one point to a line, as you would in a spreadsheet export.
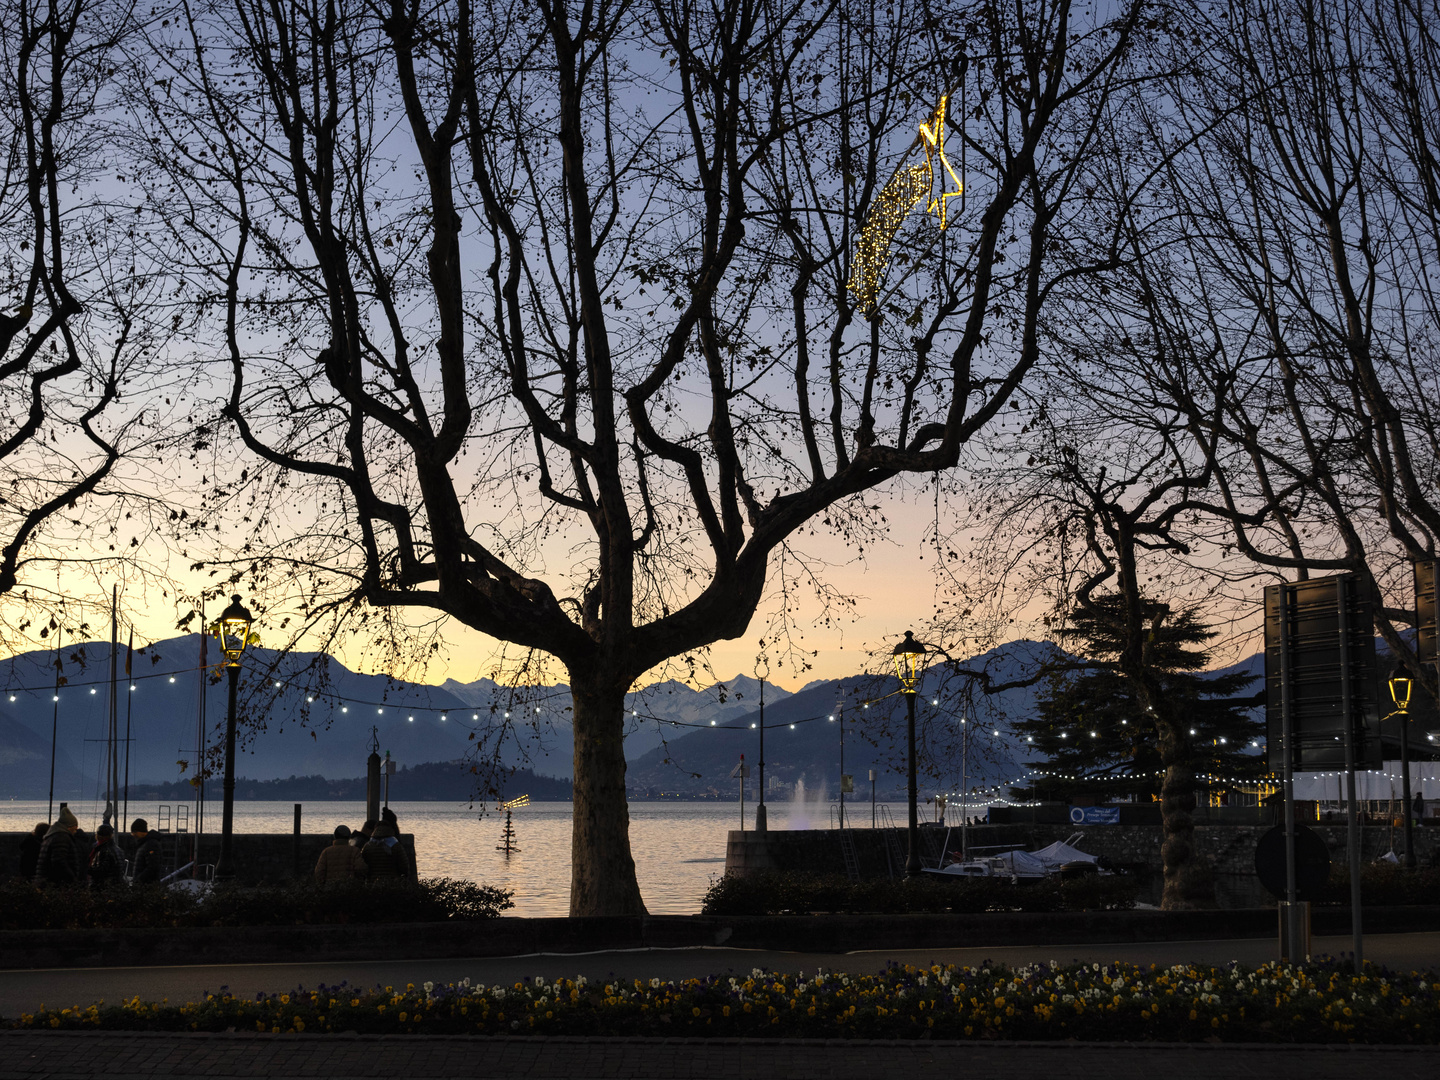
75	324
522	303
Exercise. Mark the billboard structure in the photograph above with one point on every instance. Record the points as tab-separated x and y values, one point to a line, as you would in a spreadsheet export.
1307	649
1425	612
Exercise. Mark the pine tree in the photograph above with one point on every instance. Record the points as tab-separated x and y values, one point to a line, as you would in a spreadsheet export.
1091	737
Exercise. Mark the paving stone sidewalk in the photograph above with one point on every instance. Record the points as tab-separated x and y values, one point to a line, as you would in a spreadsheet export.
127	1055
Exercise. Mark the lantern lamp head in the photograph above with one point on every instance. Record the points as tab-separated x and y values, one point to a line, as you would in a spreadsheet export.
233	630
1400	686
908	655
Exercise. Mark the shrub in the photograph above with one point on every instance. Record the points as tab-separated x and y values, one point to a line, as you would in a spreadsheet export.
1382	884
801	893
23	906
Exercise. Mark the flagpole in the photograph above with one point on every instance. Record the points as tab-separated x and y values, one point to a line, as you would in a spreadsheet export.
54	725
129	706
112	773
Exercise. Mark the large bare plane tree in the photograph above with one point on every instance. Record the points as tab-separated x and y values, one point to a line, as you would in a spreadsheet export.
536	315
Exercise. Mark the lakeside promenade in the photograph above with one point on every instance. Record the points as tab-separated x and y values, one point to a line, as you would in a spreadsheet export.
130	1056
123	1055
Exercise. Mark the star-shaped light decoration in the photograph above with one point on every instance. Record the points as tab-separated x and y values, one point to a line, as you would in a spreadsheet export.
906	188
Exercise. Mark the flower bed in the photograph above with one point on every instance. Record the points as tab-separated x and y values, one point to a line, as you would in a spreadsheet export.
1273	1003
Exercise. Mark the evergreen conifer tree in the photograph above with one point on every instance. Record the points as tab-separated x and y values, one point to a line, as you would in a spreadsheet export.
1091	737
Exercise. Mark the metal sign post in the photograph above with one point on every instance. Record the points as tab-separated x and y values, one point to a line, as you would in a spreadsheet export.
1352	815
742	773
1291	932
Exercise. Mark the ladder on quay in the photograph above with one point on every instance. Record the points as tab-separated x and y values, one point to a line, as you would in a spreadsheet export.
895	854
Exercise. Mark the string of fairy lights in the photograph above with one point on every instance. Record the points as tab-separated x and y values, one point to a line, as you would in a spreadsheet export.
348	703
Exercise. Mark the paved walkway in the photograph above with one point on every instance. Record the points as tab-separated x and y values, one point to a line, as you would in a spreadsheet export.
124	1055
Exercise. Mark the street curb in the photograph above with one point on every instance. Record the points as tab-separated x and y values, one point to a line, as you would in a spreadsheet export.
834	933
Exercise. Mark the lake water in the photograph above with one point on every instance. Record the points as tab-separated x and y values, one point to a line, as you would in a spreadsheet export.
679	847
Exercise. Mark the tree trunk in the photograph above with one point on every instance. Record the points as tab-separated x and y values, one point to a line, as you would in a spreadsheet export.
602	871
1188	883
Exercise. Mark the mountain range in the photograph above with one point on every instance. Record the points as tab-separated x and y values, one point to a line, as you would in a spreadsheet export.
316	718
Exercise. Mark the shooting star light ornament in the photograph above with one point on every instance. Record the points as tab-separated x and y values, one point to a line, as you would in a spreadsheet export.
909	185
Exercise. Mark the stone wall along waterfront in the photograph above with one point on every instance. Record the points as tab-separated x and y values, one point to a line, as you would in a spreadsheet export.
260	858
1229	849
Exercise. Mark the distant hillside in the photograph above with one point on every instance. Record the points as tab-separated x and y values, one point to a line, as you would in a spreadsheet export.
438	781
699	760
318	716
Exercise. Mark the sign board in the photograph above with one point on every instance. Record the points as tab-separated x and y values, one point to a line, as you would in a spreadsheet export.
1095	815
1312	863
1425	613
1312	634
740	772
847	784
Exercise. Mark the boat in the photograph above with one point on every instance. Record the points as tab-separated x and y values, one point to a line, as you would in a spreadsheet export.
1060	859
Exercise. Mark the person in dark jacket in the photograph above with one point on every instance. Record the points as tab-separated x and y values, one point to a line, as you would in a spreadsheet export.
340	862
30	850
385	857
107	862
145	869
59	862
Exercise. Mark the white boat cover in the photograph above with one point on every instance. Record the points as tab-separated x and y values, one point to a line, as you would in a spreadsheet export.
1026	864
1059	853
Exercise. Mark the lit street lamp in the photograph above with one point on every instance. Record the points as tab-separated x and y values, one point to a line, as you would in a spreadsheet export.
907	668
233	632
1400	686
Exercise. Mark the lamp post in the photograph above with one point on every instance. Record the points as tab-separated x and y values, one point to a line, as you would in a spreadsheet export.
233	632
1401	684
907	669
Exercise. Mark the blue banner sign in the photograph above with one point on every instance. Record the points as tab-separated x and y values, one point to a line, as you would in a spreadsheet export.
1095	815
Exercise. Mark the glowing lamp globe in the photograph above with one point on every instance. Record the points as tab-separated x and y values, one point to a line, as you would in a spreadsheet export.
1400	687
233	630
908	655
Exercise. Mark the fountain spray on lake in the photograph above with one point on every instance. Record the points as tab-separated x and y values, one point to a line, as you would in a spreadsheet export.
808	810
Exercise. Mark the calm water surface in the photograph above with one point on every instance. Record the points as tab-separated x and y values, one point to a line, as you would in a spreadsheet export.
679	847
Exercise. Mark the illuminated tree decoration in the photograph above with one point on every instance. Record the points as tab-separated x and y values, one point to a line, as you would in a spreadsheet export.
905	189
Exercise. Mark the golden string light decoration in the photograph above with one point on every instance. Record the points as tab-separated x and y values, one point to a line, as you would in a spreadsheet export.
906	189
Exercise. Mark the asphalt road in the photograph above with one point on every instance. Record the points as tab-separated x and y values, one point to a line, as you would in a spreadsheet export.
24	990
121	1055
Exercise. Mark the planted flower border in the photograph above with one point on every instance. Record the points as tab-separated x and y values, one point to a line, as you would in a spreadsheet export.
1318	1002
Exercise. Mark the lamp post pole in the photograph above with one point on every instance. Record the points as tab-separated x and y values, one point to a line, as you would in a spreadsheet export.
1401	685
233	630
762	823
908	655
912	860
1405	791
227	812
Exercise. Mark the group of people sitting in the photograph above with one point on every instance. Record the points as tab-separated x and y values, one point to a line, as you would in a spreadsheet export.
57	854
373	852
